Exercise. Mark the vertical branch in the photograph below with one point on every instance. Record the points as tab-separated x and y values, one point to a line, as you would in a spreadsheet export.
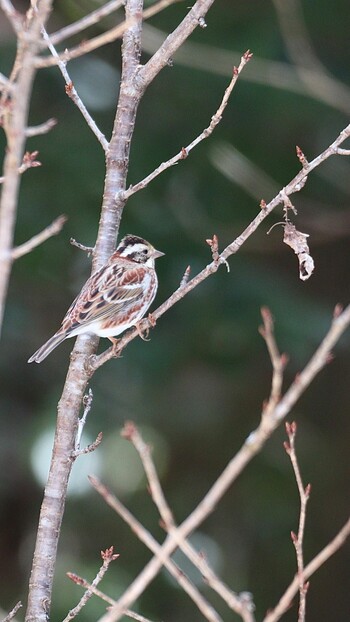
117	157
117	160
15	117
298	539
51	513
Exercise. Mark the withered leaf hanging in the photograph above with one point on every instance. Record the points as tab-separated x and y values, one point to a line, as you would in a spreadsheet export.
297	241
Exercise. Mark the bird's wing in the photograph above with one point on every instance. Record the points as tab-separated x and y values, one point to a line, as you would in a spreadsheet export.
107	293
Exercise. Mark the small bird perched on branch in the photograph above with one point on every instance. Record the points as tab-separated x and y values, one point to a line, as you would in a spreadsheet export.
114	298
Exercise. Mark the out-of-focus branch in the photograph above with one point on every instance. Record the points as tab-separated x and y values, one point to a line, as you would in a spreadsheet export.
36	240
29	161
159	560
311	71
268	73
240	603
43	128
14	112
251	447
14	16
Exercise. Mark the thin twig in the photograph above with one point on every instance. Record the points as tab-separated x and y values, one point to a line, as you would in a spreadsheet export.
278	360
72	92
215	120
186	276
89	448
108	556
87	249
78	580
39	238
13	612
43	128
29	161
160	559
332	547
298	538
240	603
89	586
87	403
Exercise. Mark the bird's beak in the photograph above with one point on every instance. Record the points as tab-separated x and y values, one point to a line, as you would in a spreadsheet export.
157	254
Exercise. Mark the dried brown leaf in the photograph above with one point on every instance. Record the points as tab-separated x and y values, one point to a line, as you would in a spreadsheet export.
298	242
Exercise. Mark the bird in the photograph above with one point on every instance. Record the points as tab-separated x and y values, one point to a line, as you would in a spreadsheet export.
113	299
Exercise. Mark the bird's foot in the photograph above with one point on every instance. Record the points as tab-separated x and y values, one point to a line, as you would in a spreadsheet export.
115	348
143	333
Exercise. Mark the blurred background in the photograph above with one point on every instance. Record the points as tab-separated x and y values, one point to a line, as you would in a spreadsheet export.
196	389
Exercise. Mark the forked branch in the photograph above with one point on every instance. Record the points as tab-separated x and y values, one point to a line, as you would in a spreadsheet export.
270	420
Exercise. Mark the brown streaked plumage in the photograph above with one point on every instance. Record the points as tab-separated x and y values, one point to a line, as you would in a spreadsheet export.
114	298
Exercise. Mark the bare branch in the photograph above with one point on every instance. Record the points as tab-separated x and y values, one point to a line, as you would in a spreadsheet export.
298	539
181	155
13	612
240	603
87	403
161	558
278	360
72	92
88	586
252	445
28	161
87	249
80	581
108	556
316	563
43	128
36	240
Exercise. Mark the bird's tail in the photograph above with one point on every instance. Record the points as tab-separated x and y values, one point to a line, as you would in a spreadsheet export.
50	345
